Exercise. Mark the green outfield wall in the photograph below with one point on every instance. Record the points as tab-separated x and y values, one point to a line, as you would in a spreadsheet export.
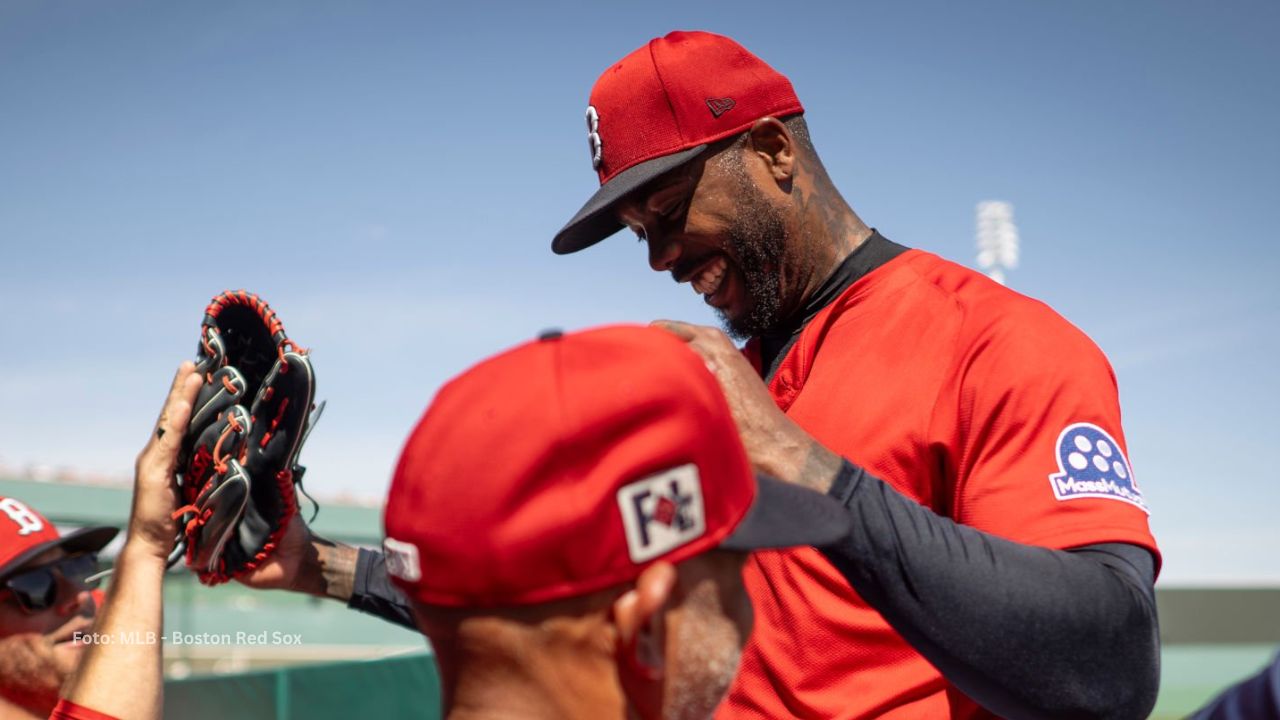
284	655
402	687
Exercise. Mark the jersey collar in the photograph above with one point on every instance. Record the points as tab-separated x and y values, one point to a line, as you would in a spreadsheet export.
874	252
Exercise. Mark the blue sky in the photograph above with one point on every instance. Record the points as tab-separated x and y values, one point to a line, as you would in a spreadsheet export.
389	175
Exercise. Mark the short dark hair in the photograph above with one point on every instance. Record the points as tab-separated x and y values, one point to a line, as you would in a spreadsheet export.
795	124
800	130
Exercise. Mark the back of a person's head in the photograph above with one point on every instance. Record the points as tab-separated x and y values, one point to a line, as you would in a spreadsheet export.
570	519
665	645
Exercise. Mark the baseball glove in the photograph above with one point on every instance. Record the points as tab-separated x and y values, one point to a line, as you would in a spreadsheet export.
238	466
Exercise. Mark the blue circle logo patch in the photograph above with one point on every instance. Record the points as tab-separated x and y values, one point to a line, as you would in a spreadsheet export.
1091	465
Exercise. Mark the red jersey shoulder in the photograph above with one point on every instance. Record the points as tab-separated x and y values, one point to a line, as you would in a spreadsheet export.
1024	377
1017	334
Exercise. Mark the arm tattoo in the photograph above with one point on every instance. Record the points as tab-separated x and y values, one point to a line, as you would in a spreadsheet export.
334	566
820	467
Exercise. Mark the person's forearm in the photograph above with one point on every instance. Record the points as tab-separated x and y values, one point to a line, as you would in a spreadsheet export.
1028	632
329	568
120	674
793	456
354	576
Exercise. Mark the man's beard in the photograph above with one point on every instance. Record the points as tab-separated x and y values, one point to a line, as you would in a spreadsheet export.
758	241
709	646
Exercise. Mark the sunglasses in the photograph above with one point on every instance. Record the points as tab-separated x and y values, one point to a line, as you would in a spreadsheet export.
37	589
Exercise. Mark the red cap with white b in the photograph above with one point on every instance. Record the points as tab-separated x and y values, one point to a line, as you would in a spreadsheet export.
26	534
661	106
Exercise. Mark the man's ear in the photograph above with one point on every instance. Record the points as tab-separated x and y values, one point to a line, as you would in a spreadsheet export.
772	142
638	617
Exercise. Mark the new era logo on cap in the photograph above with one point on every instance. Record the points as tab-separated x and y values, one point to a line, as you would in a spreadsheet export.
662	512
720	106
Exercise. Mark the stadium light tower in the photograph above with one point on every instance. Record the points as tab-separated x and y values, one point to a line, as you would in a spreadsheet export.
997	239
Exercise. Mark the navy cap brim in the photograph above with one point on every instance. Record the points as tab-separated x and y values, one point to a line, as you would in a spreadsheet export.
597	220
89	539
788	515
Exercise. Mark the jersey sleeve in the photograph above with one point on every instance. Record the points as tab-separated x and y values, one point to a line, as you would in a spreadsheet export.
1039	451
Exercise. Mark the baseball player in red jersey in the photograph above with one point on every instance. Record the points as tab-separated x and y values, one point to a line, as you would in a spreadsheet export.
46	597
1000	562
57	633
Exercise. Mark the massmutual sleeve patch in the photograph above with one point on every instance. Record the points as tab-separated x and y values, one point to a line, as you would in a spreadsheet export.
1039	448
1092	465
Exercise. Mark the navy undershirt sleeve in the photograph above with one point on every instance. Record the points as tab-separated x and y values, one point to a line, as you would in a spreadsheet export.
373	593
1027	632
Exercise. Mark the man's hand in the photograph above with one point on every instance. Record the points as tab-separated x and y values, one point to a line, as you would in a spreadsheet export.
123	679
304	562
284	570
151	525
775	443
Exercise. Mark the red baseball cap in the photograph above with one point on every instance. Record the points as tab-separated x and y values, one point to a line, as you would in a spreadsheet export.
566	465
25	534
660	106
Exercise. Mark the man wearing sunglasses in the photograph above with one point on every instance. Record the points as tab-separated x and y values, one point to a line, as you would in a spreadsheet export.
1001	563
46	597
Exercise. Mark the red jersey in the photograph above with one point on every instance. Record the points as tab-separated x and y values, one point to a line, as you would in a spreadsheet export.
979	403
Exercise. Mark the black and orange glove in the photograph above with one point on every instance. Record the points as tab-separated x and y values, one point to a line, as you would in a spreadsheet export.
238	468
